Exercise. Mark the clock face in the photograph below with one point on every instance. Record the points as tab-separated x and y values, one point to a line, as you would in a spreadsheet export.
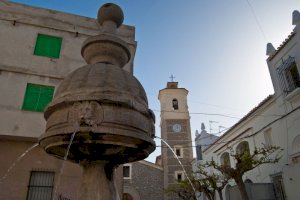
176	128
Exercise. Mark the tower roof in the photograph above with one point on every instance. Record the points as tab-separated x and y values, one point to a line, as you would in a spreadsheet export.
172	85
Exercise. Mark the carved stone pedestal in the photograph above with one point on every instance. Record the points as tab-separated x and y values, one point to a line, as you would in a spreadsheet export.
97	182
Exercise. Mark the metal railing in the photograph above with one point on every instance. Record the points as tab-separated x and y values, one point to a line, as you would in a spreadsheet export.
288	75
40	185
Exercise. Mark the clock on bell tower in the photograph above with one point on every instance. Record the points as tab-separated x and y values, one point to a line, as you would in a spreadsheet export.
176	131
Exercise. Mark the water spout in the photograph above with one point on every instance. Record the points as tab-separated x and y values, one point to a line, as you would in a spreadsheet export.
63	164
184	171
16	161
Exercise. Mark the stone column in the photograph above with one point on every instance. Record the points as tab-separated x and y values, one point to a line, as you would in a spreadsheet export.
97	182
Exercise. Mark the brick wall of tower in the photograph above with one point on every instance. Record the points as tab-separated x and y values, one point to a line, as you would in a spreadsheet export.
146	182
170	163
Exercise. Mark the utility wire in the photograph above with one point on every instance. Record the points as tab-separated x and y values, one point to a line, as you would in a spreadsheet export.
256	20
215	114
199	113
237	139
248	136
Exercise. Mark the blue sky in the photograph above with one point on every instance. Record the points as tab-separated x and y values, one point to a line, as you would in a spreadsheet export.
214	48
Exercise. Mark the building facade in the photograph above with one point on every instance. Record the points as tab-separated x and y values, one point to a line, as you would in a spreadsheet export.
275	121
202	140
39	47
176	131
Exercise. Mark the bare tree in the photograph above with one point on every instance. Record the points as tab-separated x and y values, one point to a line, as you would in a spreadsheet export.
216	180
182	189
210	182
203	181
245	161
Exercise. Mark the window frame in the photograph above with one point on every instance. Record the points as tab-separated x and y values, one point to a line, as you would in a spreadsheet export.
268	137
223	159
130	171
199	154
242	147
295	156
180	148
179	173
175	104
287	80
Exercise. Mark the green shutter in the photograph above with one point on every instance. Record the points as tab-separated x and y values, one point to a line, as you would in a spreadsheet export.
37	97
31	97
48	46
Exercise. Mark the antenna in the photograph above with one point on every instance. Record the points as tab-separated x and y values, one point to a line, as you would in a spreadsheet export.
222	127
210	123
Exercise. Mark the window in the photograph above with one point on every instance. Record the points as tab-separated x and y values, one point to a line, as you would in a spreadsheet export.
289	75
278	186
296	150
199	152
175	104
127	171
178	151
225	159
127	196
243	147
40	185
48	46
268	138
179	176
248	181
37	97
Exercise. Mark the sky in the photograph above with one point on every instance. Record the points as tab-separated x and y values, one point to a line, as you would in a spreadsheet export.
214	48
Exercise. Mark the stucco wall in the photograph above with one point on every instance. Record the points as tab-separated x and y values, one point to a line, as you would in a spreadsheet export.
15	186
19	27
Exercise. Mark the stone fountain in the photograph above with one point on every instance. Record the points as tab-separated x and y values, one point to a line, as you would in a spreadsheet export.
107	109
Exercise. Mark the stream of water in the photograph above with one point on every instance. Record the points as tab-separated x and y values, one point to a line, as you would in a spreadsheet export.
115	185
178	162
16	161
63	164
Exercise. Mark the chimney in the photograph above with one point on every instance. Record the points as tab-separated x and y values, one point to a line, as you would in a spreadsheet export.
270	49
296	17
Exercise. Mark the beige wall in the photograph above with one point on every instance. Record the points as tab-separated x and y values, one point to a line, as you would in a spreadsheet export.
15	186
19	26
166	96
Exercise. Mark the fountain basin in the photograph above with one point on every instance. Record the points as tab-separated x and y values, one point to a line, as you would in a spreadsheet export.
107	108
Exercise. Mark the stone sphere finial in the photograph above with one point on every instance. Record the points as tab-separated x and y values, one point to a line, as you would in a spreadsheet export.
107	47
110	12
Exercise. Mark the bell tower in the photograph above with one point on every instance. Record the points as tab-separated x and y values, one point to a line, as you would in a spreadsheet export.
176	131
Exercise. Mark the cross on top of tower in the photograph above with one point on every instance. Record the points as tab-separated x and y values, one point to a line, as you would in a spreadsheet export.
172	78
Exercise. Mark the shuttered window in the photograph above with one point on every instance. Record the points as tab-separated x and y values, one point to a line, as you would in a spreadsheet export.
37	97
48	46
40	185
